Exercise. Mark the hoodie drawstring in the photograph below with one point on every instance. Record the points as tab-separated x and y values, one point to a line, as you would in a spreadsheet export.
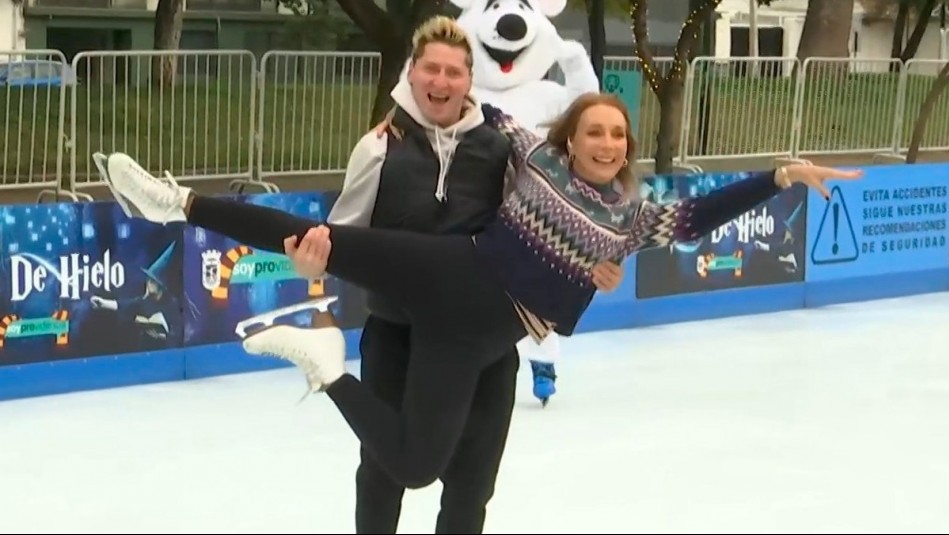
472	117
444	161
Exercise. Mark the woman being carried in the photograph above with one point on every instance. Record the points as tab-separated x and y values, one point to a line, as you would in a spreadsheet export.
572	203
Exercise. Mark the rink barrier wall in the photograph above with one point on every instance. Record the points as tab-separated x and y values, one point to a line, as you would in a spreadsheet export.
884	236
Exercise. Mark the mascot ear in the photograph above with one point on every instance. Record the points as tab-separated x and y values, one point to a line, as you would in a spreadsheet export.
462	4
550	8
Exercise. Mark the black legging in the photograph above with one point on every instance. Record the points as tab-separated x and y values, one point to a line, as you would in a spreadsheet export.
462	322
470	477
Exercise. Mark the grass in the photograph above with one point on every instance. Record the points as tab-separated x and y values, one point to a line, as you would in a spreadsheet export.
849	113
214	128
195	130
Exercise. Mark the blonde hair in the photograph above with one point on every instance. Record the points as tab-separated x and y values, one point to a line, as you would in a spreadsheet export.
565	127
441	29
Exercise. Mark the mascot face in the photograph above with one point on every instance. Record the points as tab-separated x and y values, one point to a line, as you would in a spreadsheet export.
514	41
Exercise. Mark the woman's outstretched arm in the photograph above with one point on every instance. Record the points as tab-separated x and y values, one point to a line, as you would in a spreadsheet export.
685	220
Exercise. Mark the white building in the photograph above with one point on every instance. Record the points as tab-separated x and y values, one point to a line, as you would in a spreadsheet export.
780	26
12	34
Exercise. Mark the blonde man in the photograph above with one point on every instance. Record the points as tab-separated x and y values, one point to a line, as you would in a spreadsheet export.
444	176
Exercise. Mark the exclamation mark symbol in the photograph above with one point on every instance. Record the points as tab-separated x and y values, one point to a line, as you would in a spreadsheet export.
836	248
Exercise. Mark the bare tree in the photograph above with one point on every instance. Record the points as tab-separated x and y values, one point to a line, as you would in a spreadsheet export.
907	15
168	21
669	89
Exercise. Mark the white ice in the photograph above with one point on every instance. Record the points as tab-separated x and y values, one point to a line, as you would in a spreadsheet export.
827	420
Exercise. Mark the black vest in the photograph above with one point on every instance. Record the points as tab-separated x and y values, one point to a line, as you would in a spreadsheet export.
474	188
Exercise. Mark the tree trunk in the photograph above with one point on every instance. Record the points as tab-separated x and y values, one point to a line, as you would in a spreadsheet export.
168	15
671	89
596	25
383	30
826	31
671	106
899	30
922	22
926	111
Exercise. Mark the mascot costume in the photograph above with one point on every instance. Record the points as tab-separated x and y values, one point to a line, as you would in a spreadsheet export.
515	45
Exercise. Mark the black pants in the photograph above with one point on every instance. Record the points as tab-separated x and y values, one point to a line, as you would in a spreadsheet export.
468	483
462	323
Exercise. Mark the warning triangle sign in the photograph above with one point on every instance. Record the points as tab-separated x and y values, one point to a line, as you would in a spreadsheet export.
836	241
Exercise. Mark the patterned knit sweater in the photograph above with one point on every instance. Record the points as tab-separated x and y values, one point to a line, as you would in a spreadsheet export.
553	227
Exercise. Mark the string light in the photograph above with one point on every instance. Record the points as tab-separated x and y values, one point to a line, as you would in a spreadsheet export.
638	10
691	27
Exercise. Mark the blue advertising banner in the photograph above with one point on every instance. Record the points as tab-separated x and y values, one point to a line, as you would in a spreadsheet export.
227	282
893	219
764	246
81	279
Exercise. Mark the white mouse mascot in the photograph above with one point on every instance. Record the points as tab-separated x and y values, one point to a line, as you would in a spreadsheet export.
515	45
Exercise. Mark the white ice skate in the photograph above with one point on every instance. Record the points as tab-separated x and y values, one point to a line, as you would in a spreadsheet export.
138	193
320	353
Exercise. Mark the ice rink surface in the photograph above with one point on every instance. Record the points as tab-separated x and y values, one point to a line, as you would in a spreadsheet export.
820	420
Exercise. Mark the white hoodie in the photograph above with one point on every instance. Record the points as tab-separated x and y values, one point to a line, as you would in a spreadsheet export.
361	184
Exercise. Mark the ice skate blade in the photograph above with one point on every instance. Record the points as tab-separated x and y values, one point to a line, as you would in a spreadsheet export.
266	319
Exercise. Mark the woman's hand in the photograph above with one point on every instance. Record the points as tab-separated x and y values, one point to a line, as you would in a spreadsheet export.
813	176
607	276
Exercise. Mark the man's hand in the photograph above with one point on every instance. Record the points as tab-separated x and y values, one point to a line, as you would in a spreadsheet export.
386	125
607	276
312	254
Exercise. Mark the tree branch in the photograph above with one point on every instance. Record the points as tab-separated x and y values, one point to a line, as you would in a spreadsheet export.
899	30
637	12
372	20
689	37
915	38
